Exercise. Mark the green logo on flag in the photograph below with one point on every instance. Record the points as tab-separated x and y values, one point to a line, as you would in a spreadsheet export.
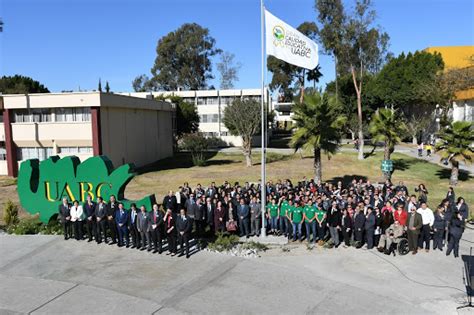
279	33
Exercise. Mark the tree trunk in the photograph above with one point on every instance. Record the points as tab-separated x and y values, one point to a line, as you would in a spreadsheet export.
386	156
302	87
414	140
358	89
352	135
453	180
335	74
317	165
247	150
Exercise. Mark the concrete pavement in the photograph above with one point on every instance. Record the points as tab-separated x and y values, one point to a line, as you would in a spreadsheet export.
47	275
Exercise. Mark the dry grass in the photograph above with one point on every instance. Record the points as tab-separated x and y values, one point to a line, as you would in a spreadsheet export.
171	173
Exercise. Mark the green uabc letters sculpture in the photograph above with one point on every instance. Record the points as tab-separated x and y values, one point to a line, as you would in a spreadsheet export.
42	185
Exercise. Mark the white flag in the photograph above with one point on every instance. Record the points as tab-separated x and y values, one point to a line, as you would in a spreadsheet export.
288	44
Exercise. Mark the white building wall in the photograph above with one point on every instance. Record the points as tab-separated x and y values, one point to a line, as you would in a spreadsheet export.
3	168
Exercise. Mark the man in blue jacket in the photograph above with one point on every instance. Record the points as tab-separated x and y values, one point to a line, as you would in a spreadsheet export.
243	214
370	228
121	219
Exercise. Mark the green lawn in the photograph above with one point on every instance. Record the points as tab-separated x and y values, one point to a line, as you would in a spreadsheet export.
170	173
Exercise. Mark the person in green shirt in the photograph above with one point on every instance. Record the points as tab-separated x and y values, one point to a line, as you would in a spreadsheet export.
309	215
283	221
320	223
289	211
272	212
296	220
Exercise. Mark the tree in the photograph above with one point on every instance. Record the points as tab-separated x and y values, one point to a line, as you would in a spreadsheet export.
364	49
228	70
242	118
187	118
332	19
287	78
19	84
197	144
318	126
107	87
183	59
99	88
456	146
388	127
142	83
401	84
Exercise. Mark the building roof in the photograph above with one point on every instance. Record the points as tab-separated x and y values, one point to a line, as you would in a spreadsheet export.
81	99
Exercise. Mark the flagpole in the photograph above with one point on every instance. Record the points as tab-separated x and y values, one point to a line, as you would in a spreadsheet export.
263	180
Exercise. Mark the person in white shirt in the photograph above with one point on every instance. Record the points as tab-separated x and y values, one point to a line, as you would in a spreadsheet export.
76	219
428	220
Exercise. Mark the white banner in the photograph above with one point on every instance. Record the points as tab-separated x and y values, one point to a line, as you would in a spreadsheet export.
288	44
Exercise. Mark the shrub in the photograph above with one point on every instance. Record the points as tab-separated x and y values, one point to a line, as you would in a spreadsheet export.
30	225
197	144
10	213
224	242
52	228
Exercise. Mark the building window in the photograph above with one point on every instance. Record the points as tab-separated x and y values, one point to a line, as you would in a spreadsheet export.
33	115
224	133
73	114
76	150
201	101
209	118
3	152
34	153
212	101
210	134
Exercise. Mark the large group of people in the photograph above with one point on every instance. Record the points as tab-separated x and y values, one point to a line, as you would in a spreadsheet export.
360	214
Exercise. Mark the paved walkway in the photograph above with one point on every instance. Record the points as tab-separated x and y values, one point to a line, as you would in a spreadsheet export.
47	275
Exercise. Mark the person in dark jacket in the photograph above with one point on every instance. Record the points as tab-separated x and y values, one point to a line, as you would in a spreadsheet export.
451	196
169	202
209	208
347	227
133	226
143	226
170	230
334	223
184	226
121	219
462	207
359	226
156	229
100	214
414	224
370	228
65	218
439	226
112	207
243	213
456	228
89	211
199	218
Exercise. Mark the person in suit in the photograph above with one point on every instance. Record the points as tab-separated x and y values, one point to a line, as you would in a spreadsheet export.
199	218
77	213
209	206
456	228
170	202
100	214
156	229
462	207
414	224
347	227
243	213
359	226
112	207
143	226
133	225
184	225
220	217
89	211
370	227
255	216
121	219
439	227
65	218
334	223
170	230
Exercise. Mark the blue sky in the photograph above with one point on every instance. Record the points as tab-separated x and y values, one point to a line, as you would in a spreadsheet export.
70	44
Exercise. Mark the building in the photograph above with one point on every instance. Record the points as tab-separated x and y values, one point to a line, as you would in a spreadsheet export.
459	57
210	106
126	129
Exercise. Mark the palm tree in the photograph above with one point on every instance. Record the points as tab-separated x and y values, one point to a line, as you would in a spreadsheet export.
388	127
456	145
318	126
